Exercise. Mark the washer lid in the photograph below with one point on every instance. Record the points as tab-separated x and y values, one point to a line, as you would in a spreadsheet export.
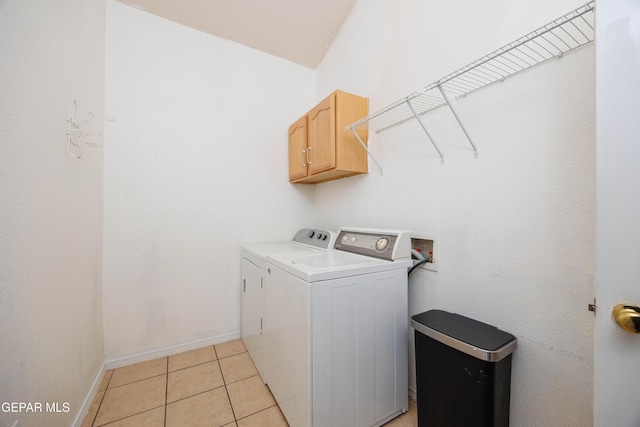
326	265
305	240
261	250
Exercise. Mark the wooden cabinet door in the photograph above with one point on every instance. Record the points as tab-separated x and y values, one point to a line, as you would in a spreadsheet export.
298	149
322	136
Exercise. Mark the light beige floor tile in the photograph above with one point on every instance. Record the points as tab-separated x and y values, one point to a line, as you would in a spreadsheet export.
230	348
211	408
105	380
191	358
135	395
238	367
138	371
249	396
130	399
408	419
196	379
271	417
93	409
152	418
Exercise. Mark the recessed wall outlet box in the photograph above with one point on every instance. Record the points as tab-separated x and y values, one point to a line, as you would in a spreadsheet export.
427	245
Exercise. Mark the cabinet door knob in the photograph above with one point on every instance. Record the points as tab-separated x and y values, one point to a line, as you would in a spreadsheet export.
303	158
308	155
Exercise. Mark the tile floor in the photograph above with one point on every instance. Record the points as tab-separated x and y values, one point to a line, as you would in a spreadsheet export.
211	386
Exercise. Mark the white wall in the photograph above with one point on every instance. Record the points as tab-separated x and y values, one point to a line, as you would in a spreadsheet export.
195	166
51	342
516	225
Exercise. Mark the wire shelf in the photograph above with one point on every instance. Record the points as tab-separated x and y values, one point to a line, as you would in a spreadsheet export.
553	40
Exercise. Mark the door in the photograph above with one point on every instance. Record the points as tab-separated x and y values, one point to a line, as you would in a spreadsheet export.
298	149
617	353
322	136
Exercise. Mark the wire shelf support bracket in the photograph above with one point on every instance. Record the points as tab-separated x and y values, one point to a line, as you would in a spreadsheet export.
366	149
554	40
424	128
453	111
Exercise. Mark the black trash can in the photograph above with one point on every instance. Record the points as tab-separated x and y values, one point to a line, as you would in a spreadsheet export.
463	371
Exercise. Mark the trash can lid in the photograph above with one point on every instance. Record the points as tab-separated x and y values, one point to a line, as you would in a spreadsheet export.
470	336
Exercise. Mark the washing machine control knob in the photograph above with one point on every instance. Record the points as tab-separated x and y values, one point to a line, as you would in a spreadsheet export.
382	243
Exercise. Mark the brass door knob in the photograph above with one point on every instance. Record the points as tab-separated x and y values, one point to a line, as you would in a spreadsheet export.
627	317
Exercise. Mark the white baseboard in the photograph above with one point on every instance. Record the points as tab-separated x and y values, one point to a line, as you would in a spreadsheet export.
118	362
412	393
86	403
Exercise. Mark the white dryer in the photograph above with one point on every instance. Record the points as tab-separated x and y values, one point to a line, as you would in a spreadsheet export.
336	330
253	260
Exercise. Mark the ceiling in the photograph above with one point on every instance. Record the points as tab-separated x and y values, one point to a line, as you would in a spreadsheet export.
300	31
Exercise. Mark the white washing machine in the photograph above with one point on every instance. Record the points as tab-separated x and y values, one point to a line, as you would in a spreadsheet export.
336	330
253	260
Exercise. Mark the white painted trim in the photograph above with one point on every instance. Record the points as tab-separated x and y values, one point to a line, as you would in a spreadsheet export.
88	400
413	394
168	351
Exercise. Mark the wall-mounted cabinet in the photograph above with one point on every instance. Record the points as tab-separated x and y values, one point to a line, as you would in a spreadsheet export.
320	149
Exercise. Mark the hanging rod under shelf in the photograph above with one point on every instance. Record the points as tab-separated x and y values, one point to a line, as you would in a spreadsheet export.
569	32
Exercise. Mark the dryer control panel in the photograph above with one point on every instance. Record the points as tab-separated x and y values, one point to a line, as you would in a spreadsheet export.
383	244
322	239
